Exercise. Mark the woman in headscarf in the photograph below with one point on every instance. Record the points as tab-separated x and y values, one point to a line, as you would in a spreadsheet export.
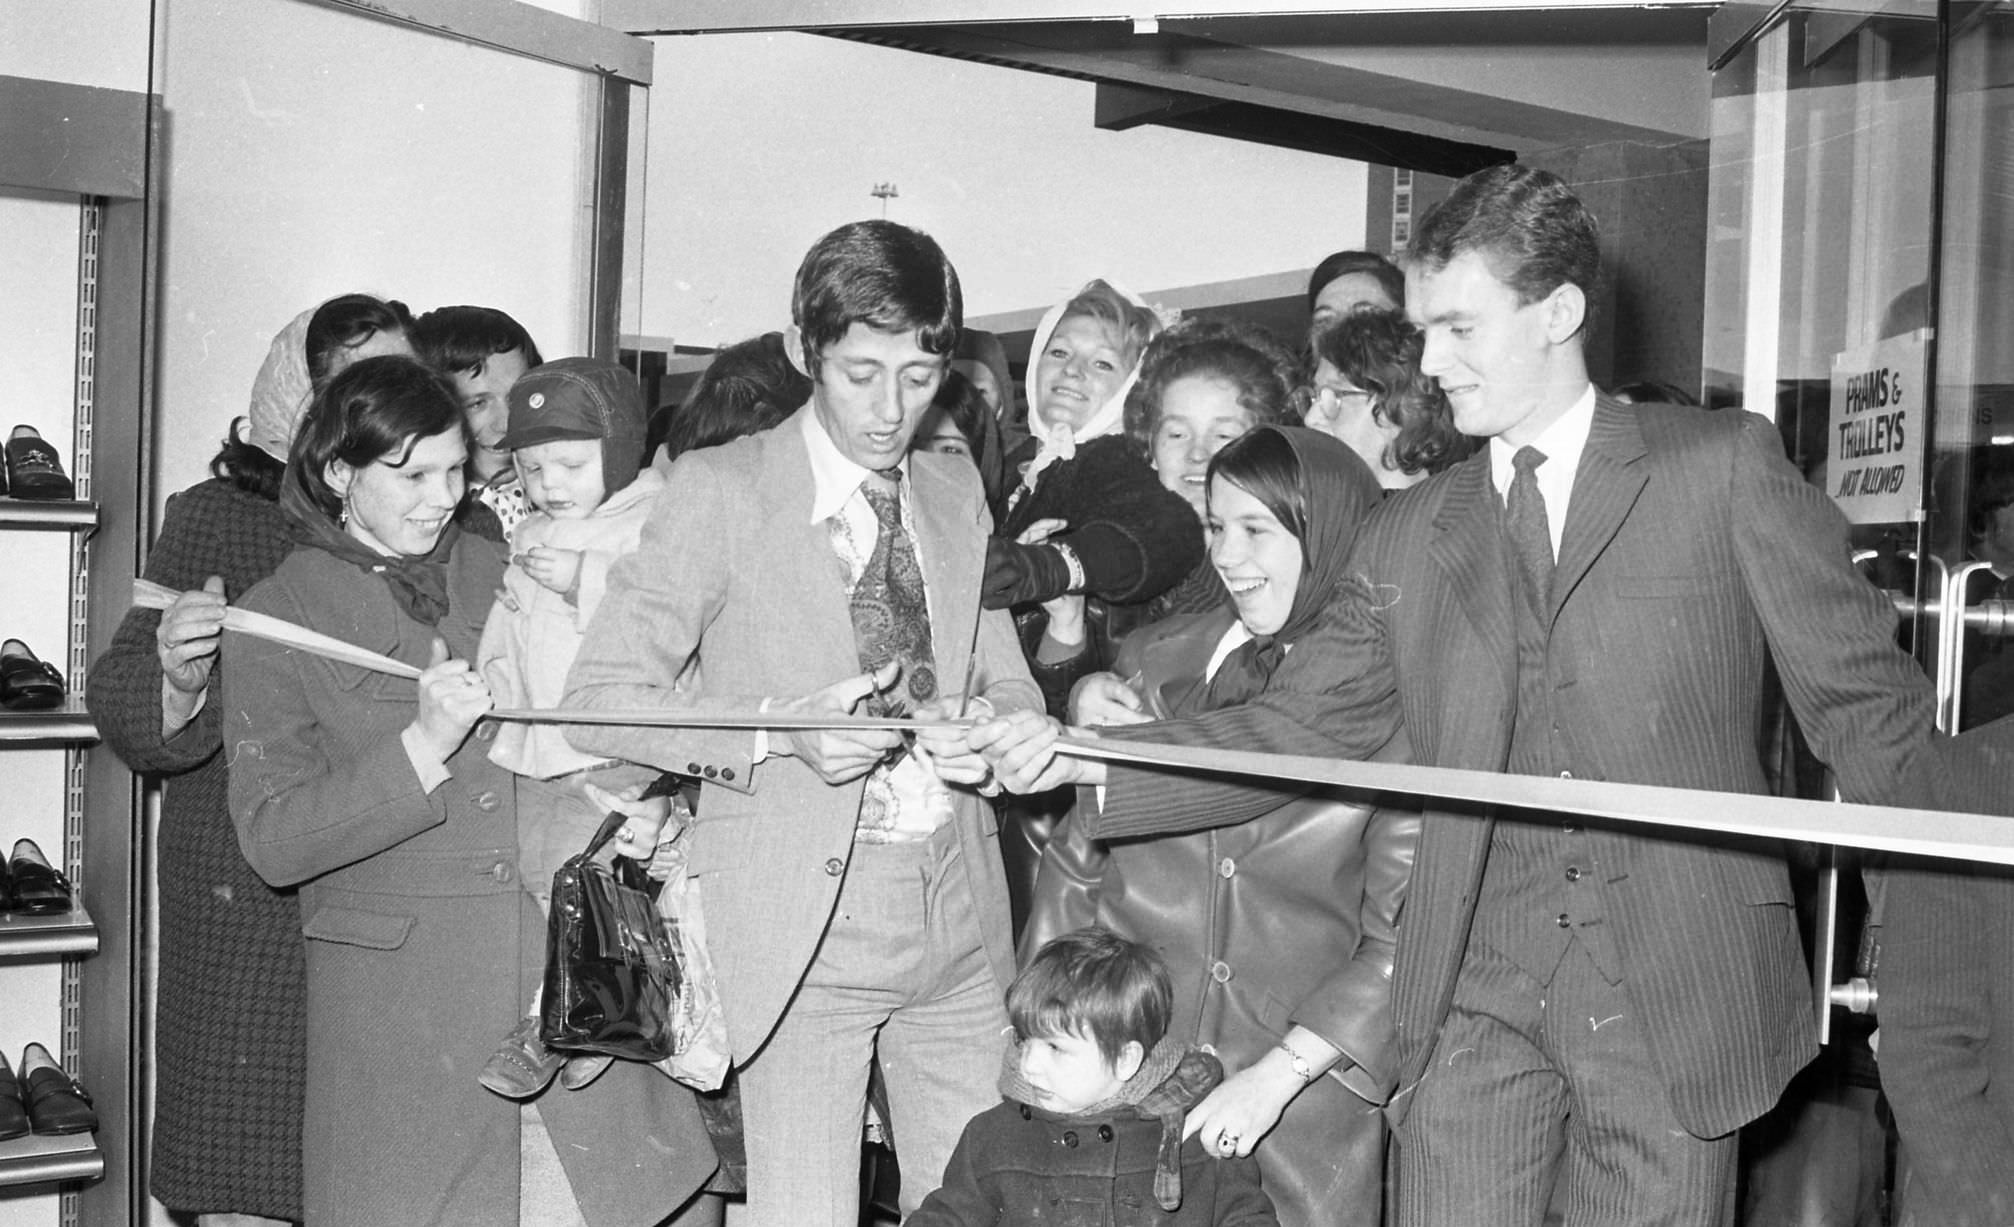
229	1041
1086	515
1279	931
375	796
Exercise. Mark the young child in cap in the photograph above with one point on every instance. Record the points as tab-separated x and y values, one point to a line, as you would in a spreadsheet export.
1097	1093
575	434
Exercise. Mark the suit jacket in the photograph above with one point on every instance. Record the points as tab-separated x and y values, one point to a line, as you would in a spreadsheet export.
1692	553
732	571
1947	1025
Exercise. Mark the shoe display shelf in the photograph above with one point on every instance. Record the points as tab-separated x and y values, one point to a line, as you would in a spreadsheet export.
98	147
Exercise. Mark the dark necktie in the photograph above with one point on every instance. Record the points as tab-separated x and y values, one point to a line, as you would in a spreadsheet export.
891	617
1530	537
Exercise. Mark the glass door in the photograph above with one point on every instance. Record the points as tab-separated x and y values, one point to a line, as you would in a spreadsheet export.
1971	500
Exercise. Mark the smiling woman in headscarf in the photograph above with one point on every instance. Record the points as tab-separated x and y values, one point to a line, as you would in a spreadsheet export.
375	796
229	1046
1279	931
1085	515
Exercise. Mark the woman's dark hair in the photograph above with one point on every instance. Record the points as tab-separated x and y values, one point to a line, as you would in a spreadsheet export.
348	321
749	387
458	339
1379	351
1258	367
246	465
958	399
376	409
1343	263
1264	465
1992	488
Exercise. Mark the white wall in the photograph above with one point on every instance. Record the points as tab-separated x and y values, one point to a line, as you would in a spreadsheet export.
309	151
313	152
759	143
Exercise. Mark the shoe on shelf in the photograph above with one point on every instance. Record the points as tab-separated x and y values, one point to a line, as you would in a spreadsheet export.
40	889
583	1068
27	682
34	470
56	1102
13	1113
522	1066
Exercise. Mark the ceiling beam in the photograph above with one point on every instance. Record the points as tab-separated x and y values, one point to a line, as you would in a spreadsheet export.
724	16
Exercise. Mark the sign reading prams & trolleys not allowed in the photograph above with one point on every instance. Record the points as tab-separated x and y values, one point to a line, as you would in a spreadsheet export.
1874	461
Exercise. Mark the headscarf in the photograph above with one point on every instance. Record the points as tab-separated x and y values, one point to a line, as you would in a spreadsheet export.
1339	490
282	388
419	584
1059	441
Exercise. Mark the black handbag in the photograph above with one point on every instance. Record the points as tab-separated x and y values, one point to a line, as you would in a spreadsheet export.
612	972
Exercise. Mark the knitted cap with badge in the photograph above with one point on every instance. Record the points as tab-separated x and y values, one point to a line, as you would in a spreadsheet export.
581	398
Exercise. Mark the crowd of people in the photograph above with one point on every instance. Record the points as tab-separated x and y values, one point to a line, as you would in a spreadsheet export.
1074	990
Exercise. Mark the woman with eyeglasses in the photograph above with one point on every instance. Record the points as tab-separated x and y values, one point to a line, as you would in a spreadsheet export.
1369	393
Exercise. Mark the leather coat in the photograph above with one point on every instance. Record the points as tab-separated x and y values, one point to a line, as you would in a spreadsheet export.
1287	919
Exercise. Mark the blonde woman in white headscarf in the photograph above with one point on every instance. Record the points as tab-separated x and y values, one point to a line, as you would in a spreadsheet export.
1087	534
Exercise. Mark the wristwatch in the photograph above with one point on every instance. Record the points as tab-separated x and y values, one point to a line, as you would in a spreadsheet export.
1298	1063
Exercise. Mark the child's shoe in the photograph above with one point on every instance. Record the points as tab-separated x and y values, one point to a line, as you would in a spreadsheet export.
584	1068
522	1066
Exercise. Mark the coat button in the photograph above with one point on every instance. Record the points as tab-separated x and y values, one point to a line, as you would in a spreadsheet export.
1104	1133
1565	922
1070	1138
487	801
692	768
1220	971
1226	867
711	772
1573	873
727	773
486	731
834	867
503	871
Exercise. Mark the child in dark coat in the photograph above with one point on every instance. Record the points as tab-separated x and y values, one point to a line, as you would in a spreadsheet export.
1096	1096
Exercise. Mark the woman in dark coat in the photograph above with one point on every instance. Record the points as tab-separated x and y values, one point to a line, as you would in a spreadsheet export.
230	1052
369	792
1279	931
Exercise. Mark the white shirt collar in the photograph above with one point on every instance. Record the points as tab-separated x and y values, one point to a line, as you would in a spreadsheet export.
1562	442
834	477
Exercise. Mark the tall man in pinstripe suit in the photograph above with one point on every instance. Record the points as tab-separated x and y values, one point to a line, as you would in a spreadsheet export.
1596	594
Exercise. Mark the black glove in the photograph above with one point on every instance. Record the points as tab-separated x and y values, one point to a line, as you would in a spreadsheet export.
1021	574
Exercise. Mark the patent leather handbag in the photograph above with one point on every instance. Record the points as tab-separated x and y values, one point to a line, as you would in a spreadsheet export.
612	971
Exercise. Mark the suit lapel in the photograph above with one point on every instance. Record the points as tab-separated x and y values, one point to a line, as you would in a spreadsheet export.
1604	489
1467	545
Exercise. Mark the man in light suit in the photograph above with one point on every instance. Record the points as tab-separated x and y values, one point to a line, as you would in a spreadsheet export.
1596	594
852	883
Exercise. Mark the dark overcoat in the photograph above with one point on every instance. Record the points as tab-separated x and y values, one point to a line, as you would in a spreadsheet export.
422	948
